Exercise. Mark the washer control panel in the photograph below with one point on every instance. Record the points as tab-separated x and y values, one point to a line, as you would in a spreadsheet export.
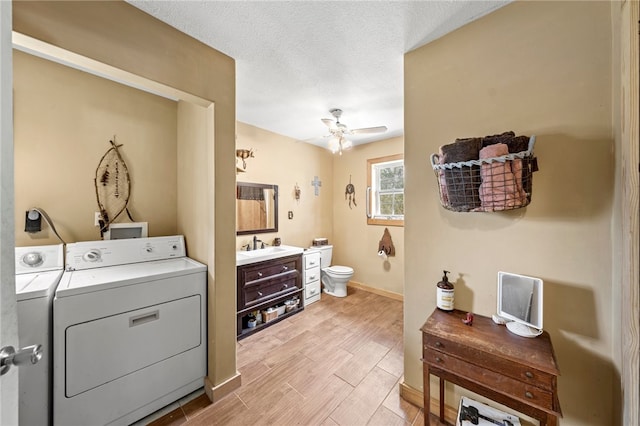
98	254
39	259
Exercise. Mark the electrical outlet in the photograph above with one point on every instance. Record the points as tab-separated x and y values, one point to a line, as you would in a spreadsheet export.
97	218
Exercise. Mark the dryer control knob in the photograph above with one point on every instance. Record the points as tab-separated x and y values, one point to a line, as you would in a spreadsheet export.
92	255
149	249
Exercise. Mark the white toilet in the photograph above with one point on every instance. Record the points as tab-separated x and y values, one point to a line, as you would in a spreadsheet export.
334	278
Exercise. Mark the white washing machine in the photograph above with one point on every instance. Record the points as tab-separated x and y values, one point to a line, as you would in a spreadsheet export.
38	271
129	320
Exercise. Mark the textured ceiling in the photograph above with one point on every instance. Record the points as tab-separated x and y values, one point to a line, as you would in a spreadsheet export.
297	59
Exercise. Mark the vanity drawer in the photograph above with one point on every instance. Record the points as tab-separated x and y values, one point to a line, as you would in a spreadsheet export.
311	260
261	271
312	290
260	292
494	380
311	275
503	366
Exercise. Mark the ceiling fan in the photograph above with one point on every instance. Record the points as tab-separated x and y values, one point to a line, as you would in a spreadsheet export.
337	131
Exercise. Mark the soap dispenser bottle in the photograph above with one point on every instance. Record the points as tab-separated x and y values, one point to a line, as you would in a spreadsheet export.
445	294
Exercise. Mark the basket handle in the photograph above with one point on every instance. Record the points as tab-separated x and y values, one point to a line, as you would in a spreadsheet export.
435	159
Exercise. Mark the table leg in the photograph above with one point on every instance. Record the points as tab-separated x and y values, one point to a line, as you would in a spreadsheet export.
426	393
551	420
441	400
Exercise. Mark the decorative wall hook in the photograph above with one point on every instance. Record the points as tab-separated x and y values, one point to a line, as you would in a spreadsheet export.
386	245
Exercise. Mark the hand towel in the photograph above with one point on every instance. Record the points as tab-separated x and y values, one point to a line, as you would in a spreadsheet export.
462	183
501	187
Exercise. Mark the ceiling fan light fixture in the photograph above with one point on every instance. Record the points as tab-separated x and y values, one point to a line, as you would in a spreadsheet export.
334	145
337	130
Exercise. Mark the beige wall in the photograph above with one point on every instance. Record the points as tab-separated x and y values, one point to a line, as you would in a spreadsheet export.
285	162
148	51
355	242
540	68
64	119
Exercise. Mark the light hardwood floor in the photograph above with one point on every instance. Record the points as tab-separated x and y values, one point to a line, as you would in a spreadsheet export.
338	362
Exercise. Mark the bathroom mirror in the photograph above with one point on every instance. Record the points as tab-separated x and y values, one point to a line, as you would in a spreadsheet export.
520	299
256	208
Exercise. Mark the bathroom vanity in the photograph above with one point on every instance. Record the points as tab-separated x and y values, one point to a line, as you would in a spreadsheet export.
266	279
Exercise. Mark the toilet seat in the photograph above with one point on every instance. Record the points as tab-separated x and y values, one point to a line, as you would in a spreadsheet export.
339	270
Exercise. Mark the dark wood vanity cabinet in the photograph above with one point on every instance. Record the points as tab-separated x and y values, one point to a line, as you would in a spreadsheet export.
266	284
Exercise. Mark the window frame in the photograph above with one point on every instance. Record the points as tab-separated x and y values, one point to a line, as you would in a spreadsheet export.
373	196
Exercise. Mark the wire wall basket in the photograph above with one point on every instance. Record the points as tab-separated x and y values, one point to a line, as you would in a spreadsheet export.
488	184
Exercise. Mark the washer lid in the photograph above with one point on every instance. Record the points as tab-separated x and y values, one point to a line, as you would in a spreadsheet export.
90	280
340	270
36	285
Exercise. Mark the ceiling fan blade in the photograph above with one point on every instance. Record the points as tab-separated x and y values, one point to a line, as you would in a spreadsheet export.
378	129
329	123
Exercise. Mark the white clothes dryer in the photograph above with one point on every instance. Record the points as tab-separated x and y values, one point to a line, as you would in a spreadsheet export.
38	271
129	330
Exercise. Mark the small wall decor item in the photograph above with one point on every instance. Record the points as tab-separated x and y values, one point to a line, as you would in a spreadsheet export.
241	156
487	174
296	192
386	245
113	186
350	193
316	183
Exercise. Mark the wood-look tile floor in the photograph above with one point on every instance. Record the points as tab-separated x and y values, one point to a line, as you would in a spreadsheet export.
338	362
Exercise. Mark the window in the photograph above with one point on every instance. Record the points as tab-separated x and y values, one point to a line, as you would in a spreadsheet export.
385	191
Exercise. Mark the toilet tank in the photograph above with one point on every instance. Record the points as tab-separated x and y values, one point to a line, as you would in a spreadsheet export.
325	255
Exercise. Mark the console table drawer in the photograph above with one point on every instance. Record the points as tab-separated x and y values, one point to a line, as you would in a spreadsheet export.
497	381
502	366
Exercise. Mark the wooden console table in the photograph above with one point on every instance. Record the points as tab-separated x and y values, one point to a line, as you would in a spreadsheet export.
487	359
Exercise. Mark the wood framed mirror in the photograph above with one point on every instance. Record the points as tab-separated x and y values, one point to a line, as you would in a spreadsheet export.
256	208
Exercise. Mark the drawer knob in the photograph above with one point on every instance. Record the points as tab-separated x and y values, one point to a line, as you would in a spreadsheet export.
312	277
438	359
285	268
529	374
259	274
313	291
528	395
285	286
259	294
438	344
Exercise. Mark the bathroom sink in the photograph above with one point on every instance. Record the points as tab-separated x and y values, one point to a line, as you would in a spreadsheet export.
268	253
